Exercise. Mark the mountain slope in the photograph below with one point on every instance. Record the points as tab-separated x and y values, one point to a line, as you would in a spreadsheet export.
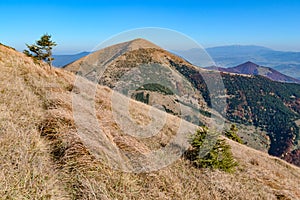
141	62
258	101
26	167
255	101
247	96
43	157
254	69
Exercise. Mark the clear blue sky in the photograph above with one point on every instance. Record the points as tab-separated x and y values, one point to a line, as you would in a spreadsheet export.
79	25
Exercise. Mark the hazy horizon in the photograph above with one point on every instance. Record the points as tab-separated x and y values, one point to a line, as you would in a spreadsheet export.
80	25
243	45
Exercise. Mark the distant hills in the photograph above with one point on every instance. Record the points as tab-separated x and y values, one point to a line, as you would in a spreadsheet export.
227	56
62	60
287	63
254	69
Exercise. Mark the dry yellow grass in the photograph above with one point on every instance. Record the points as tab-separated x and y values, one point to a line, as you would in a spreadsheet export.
26	170
43	157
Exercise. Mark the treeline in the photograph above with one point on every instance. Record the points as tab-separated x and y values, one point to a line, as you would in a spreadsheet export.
257	101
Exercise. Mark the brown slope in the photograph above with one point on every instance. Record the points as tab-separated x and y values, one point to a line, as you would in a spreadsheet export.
103	57
142	60
125	55
43	157
26	169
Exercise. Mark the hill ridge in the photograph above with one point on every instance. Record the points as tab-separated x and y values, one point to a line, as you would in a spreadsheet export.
252	68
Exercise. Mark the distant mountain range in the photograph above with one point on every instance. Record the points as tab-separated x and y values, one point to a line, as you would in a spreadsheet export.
287	63
254	69
62	60
227	56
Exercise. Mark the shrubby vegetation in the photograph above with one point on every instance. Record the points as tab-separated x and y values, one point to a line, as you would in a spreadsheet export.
232	134
218	157
142	98
155	87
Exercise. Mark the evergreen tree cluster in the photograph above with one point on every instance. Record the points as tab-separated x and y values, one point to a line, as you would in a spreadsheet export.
42	49
232	134
218	157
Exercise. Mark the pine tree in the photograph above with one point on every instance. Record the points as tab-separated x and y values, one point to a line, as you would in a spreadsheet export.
42	50
232	134
218	157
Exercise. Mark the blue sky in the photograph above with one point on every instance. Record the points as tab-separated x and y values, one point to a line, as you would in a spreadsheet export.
79	25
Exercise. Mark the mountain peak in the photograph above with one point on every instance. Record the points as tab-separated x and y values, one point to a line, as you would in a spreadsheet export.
250	68
106	56
255	69
247	68
139	40
250	63
142	43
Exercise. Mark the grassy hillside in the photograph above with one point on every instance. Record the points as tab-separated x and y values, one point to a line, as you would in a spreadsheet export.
27	170
44	157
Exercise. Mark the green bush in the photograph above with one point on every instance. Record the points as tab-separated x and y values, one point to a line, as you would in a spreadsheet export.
232	134
155	87
218	157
